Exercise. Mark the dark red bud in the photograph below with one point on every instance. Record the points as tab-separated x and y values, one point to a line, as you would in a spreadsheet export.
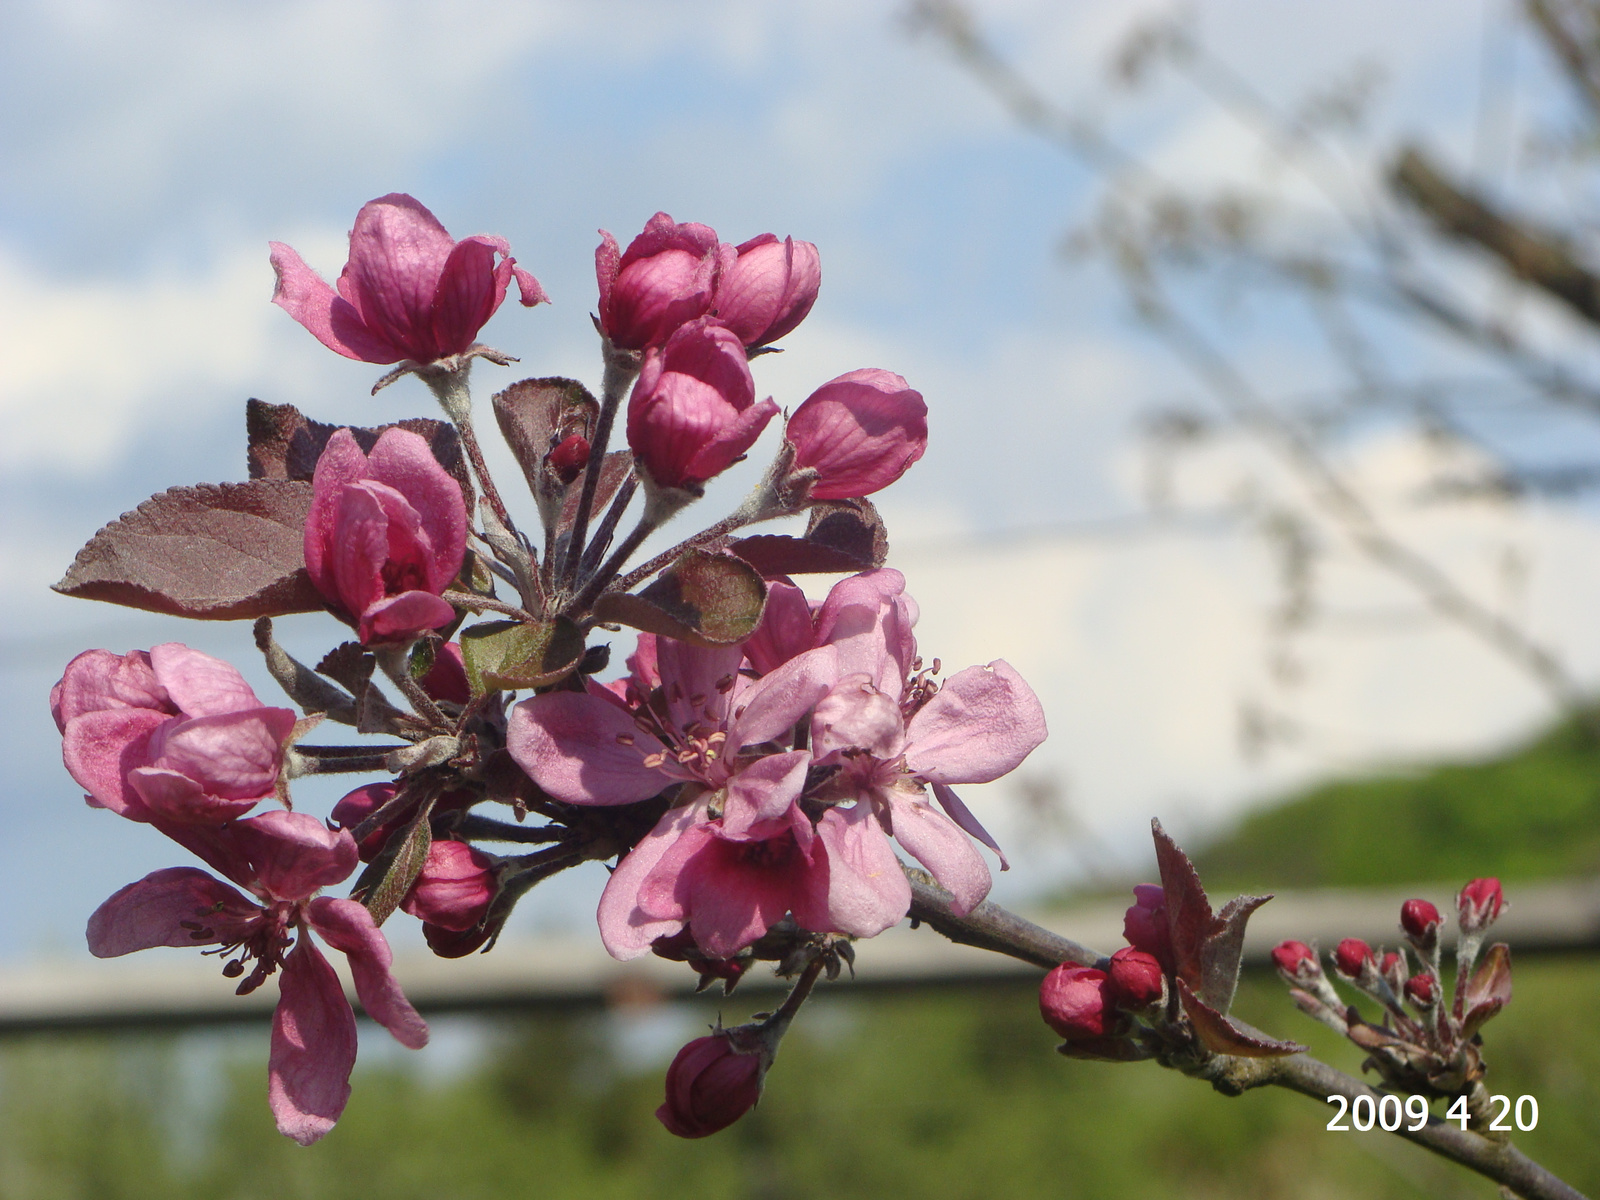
356	807
1074	1003
1135	979
569	458
1420	920
710	1085
1422	990
1295	959
1390	962
1351	956
1145	924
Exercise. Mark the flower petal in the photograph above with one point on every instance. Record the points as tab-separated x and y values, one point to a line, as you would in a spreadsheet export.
331	318
772	705
962	816
761	796
341	462
348	927
100	748
865	888
624	929
234	755
180	906
313	1046
583	749
398	251
982	723
938	844
467	294
98	679
402	460
199	684
399	618
294	854
176	797
786	630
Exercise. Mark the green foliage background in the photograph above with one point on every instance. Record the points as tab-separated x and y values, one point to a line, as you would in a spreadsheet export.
951	1094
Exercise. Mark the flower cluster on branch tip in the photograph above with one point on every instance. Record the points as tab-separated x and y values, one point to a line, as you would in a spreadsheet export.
752	773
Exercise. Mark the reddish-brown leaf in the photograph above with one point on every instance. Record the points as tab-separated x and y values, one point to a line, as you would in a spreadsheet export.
705	599
1220	953
212	551
535	414
1489	989
1221	1035
1189	915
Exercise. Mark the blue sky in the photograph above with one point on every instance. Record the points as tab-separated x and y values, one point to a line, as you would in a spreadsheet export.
151	151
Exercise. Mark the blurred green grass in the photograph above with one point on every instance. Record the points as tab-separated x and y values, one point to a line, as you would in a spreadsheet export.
950	1093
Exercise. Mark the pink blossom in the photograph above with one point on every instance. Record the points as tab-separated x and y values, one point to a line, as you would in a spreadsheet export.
385	535
409	290
1296	961
1478	905
768	289
283	860
693	413
1073	1001
455	887
858	433
170	736
711	1083
666	277
1135	979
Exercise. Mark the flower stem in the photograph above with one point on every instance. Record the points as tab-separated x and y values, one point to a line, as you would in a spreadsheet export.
621	368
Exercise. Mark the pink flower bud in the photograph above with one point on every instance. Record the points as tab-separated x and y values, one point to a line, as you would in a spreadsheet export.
355	807
1352	956
569	458
1479	904
1145	924
409	290
1420	920
1297	961
1422	990
859	433
1073	1002
455	887
1135	979
693	412
447	678
168	735
667	276
768	289
710	1085
385	535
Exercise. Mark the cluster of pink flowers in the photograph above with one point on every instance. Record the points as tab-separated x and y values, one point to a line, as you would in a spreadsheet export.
784	748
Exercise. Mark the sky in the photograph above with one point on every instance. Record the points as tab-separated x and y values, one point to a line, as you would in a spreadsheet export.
150	152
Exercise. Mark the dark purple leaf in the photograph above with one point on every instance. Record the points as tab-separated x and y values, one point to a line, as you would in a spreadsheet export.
535	414
705	599
1221	1035
1221	952
613	472
775	554
1489	989
212	551
285	444
1189	913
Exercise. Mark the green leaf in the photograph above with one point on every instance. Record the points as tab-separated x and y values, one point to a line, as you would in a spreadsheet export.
507	655
705	599
384	884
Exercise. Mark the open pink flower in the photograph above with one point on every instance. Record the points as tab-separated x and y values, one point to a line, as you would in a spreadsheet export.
409	290
170	736
282	860
666	277
385	535
768	288
693	413
858	433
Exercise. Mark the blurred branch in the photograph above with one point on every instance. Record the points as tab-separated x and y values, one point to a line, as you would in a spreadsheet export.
1571	28
1535	256
991	927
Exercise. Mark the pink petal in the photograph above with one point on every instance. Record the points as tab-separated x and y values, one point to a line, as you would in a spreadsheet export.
624	929
529	290
962	816
583	750
982	723
772	706
697	680
342	462
199	684
761	797
175	797
331	318
856	715
180	906
348	927
294	854
867	620
934	840
399	618
100	748
786	629
866	890
403	460
731	899
313	1046
730	442
607	257
358	549
467	295
98	679
235	755
398	252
